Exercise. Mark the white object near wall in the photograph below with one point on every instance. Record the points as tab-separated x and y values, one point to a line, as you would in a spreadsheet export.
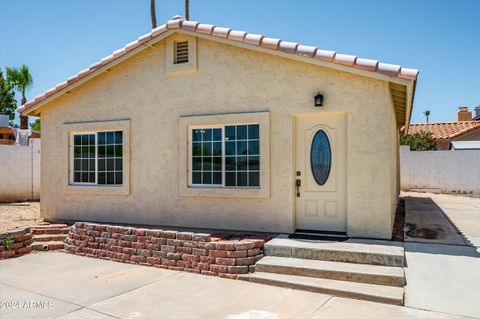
20	172
448	171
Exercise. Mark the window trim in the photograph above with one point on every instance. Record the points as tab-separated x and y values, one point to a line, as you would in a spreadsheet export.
184	165
65	157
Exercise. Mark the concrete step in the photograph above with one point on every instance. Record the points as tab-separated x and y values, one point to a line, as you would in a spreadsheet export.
370	292
371	274
360	251
54	237
48	245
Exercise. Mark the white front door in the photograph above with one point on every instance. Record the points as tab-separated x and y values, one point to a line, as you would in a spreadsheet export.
320	157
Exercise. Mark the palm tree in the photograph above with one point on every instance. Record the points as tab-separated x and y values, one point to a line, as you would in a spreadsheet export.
21	80
152	14
427	114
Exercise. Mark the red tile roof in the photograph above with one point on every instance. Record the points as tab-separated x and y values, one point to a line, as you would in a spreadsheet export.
239	36
445	130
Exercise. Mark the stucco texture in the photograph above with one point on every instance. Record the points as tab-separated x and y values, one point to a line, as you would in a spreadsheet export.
228	79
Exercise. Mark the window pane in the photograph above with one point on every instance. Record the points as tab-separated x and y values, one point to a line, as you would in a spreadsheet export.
207	177
217	163
102	178
91	164
197	149
196	163
253	133
91	177
229	163
118	178
253	148
102	138
241	163
207	148
78	152
217	178
229	133
230	148
84	177
118	150
241	148
101	165
110	151
118	137
217	134
230	179
197	135
207	163
84	166
241	132
253	179
196	177
77	165
207	135
101	151
253	163
217	148
76	177
110	178
84	139
118	164
77	140
242	179
110	137
110	164
92	139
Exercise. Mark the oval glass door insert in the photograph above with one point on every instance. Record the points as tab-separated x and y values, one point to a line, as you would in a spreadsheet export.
320	157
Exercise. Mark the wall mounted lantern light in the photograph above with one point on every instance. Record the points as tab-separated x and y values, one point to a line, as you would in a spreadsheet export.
318	100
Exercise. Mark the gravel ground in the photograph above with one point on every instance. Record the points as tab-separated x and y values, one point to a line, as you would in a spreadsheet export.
19	214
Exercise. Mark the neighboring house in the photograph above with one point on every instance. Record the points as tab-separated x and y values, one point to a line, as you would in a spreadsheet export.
194	125
464	129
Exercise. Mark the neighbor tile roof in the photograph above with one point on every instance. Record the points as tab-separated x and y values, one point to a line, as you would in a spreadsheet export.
239	36
446	130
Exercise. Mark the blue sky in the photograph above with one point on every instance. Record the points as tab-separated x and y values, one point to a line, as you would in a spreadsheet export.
57	38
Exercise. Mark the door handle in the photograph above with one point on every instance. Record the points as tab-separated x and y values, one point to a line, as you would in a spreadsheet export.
298	184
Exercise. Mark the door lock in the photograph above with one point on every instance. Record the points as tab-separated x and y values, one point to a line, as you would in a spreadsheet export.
298	184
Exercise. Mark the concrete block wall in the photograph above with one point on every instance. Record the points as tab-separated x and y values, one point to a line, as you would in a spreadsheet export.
20	172
449	171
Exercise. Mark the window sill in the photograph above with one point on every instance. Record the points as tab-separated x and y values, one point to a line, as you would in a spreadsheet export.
225	192
97	190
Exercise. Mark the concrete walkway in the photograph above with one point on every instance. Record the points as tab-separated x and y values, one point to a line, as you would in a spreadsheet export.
443	272
59	285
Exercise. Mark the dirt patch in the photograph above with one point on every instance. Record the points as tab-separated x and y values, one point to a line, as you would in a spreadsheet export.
399	223
425	233
19	214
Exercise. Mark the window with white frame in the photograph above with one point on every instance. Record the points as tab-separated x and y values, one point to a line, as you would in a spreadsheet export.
225	156
97	158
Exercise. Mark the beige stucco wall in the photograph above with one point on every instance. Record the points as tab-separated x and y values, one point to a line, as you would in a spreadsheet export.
229	79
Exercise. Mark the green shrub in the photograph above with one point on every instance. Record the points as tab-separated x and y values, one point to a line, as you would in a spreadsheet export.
8	241
421	141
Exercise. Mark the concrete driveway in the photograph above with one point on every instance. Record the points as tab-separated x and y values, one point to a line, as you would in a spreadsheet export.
59	285
443	273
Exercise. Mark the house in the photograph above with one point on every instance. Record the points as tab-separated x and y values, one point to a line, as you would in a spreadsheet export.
444	133
195	125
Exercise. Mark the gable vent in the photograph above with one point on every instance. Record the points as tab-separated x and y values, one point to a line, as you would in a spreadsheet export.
181	52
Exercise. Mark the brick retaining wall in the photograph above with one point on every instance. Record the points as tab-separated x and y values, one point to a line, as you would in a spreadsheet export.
188	251
22	239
